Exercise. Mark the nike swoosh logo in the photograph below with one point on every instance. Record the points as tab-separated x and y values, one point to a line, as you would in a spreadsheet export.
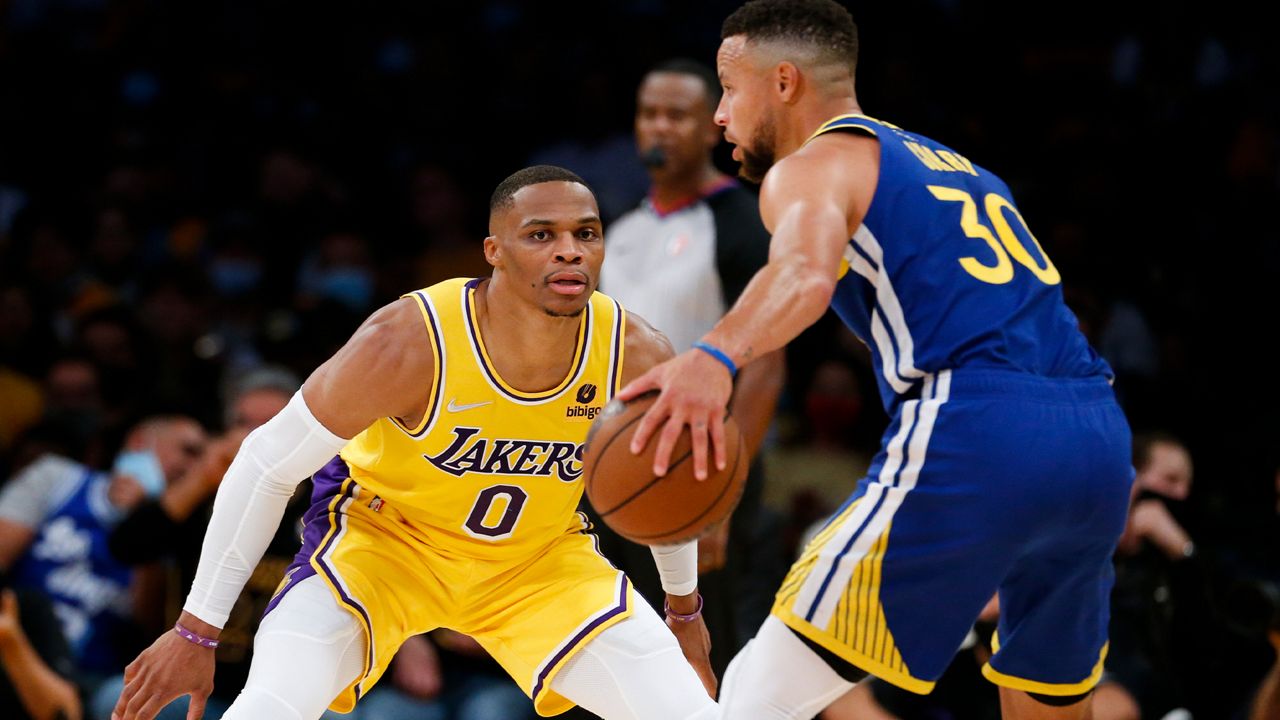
455	407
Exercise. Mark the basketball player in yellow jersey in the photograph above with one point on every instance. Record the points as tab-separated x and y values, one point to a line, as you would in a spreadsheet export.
453	502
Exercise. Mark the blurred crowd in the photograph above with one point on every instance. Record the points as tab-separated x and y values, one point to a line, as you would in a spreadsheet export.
200	201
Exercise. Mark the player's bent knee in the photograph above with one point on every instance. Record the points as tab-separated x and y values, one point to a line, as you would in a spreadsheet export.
254	703
1060	700
778	677
635	670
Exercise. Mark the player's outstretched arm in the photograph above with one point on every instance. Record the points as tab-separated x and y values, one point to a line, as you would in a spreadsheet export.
810	201
374	375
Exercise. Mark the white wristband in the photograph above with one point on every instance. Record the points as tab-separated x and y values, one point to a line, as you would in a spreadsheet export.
677	567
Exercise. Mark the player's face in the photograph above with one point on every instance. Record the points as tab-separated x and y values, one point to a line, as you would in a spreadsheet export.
745	110
549	245
672	115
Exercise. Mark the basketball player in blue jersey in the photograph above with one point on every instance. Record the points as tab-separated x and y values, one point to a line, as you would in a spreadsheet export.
445	441
1005	467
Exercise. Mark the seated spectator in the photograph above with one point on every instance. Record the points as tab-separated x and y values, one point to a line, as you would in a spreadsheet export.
54	520
181	513
1154	558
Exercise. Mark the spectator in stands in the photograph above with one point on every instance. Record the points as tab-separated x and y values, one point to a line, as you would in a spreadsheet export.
54	520
1156	570
35	662
180	515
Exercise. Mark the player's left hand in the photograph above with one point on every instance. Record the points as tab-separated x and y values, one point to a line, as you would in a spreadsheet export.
694	390
695	643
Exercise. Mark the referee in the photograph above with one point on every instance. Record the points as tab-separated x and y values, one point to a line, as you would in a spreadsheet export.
680	260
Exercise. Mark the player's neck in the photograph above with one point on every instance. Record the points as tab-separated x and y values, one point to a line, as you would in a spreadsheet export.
670	193
530	349
810	117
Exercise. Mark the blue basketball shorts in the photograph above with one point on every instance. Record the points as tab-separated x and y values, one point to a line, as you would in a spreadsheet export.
988	482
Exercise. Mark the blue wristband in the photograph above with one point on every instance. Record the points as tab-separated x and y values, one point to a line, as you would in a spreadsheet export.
718	354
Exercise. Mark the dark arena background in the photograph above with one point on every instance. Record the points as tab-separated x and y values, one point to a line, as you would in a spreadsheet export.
194	191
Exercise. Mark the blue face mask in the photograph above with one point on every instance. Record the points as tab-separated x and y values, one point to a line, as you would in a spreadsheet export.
142	466
352	287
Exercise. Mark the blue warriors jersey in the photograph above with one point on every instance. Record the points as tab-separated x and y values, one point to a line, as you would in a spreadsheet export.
945	273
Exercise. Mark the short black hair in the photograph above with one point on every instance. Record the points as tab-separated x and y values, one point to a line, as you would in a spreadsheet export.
534	175
824	25
686	66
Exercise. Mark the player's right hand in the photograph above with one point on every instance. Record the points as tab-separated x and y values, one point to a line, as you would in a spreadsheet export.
170	668
694	390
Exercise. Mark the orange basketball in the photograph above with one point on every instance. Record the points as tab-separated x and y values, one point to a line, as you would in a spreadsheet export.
655	510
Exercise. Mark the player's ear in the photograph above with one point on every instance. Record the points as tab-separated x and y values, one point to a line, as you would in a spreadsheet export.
787	81
492	251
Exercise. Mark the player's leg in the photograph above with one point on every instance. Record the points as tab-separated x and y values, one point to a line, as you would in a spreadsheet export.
1054	610
307	650
635	670
1055	601
1019	705
893	582
779	676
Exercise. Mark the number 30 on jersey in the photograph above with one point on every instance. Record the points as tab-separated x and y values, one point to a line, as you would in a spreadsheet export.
1008	246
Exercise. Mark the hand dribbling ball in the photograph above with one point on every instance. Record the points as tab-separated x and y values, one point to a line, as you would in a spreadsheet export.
652	510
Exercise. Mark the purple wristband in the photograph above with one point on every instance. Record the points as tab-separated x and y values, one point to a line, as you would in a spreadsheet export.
672	614
211	643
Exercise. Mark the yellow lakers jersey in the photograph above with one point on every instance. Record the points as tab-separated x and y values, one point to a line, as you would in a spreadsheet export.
491	471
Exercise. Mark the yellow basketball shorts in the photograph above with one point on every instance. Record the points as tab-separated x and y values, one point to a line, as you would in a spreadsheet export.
531	613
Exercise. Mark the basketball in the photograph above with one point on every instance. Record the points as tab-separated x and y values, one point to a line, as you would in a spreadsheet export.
653	510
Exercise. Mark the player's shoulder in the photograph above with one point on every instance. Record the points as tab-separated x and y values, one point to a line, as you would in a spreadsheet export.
393	343
834	168
644	345
397	320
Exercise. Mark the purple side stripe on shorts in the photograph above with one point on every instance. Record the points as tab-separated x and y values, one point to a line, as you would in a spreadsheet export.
316	522
568	647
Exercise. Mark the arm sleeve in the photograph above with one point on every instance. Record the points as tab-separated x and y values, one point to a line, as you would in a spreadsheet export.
251	501
742	243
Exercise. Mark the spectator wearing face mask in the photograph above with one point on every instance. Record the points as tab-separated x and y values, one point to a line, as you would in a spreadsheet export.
55	516
180	515
1158	581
